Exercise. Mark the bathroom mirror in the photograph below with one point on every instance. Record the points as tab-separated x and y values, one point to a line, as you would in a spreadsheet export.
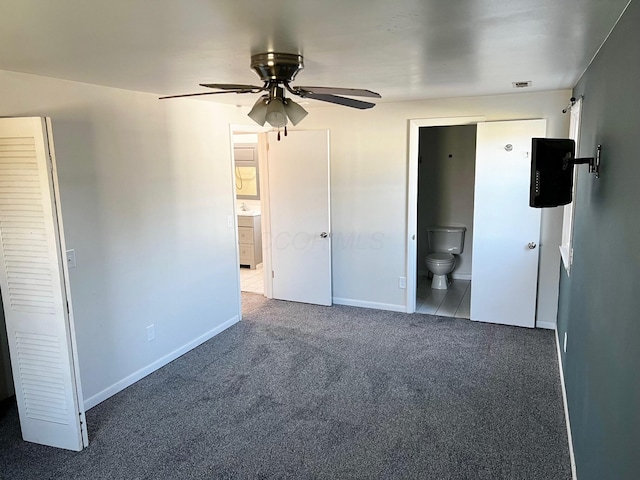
246	171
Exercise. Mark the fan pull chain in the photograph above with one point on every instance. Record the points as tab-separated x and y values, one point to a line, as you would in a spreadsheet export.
285	132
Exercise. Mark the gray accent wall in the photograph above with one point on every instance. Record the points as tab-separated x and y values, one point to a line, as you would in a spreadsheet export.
599	303
446	178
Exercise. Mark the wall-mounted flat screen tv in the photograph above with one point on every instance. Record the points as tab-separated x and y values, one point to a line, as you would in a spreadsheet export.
551	172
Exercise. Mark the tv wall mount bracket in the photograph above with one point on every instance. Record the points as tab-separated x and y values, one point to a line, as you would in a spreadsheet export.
593	162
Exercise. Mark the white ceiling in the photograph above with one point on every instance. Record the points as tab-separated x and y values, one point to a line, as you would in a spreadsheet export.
403	49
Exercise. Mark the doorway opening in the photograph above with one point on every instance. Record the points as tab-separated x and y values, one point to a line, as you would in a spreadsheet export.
416	259
289	224
446	179
246	164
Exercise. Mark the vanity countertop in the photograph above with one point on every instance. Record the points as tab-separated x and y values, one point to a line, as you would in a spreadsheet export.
248	213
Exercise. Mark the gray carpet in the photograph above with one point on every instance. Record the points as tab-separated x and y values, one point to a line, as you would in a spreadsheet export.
299	391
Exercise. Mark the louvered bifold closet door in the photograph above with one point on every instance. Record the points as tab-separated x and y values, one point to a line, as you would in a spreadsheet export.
33	288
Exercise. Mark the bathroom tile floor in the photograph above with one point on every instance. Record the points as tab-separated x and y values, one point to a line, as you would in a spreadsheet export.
453	302
252	280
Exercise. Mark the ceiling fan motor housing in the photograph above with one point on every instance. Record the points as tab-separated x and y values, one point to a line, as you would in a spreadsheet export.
279	67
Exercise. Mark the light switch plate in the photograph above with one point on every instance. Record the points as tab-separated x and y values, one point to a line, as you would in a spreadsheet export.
71	258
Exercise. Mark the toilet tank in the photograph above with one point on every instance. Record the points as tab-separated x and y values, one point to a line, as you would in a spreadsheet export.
446	239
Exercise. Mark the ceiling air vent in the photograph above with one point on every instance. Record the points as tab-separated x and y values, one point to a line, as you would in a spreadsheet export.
522	84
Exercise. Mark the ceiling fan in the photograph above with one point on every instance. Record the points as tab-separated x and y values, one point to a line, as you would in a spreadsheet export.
277	71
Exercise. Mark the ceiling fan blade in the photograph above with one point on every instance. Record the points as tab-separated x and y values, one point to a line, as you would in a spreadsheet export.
193	94
347	102
355	92
232	86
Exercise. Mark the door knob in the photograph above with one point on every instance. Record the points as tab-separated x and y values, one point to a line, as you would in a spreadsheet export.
531	245
323	235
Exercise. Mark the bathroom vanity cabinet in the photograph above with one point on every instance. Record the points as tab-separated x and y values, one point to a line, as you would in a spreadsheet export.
250	240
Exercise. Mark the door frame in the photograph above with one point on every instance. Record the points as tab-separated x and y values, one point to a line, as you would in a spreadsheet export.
412	194
264	193
265	205
66	277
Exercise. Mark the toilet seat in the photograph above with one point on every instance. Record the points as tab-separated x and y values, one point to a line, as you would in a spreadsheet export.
440	258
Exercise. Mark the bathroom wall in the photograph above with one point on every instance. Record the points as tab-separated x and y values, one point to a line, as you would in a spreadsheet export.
446	177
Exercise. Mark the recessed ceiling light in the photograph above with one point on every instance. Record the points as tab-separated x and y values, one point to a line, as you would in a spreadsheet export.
522	84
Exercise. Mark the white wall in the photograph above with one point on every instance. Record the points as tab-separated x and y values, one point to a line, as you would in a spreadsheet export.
369	189
446	179
146	190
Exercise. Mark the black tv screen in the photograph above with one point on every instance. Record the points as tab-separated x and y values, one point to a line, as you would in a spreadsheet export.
551	172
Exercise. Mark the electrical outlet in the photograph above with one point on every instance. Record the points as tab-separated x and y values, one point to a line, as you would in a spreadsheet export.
402	282
71	258
565	342
151	332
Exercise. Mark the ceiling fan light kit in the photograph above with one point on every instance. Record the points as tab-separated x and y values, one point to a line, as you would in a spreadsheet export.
294	111
276	115
277	70
259	111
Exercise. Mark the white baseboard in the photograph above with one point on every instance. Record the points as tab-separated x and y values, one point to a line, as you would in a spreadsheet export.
375	305
161	362
454	275
574	473
546	325
460	276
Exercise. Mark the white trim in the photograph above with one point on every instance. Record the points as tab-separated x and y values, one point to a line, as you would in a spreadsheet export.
265	210
454	275
546	325
412	194
574	473
461	276
374	305
568	213
152	367
564	253
67	282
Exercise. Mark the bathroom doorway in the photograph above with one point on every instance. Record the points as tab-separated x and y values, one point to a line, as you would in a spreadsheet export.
446	178
506	231
246	156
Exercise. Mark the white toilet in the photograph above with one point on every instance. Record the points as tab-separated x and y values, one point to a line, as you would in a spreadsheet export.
444	244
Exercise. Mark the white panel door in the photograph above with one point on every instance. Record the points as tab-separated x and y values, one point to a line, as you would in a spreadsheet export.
506	231
32	280
300	216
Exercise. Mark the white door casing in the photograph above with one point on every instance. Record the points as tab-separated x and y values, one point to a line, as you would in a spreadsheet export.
33	280
299	208
566	247
412	194
506	231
